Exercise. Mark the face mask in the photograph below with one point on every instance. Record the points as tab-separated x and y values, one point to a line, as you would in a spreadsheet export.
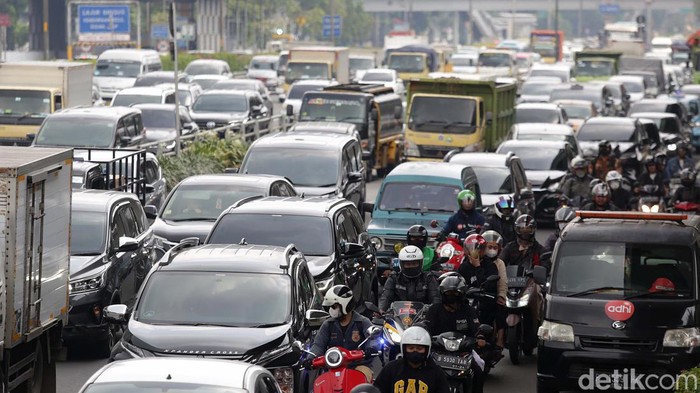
580	173
335	313
450	299
416	357
412	272
614	185
491	253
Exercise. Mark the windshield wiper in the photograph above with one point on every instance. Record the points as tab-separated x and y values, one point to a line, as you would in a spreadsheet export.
267	325
26	115
442	210
596	290
85	254
659	292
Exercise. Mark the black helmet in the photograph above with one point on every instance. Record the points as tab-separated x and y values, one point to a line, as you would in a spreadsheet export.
453	283
688	177
417	236
525	227
604	148
660	158
649	161
562	217
365	388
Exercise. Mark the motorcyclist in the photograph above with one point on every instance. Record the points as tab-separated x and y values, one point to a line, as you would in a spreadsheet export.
661	160
601	199
476	269
503	221
494	245
346	328
562	217
455	315
411	283
676	164
417	236
525	251
415	370
619	196
688	191
651	176
605	161
576	187
467	219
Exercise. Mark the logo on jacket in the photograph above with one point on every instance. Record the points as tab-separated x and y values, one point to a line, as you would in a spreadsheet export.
355	336
618	325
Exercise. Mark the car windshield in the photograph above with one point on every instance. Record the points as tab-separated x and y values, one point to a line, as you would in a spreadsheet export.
206	83
297	91
360	64
594	68
419	197
259	64
305	168
563	75
333	108
536	115
158	118
634	87
312	234
610	132
87	232
297	71
593	95
584	266
537	89
539	159
133	99
649	79
203	69
494	180
117	69
225	103
152	80
494	60
24	102
448	115
158	387
76	132
207	298
667	124
406	62
577	111
463	61
203	202
377	77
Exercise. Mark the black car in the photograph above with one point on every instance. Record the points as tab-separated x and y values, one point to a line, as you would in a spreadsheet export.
221	108
112	250
317	163
159	123
235	302
322	228
624	134
247	84
193	206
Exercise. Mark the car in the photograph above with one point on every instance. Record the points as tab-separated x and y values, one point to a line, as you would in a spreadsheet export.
104	127
359	64
180	310
144	95
624	134
691	89
187	93
144	375
465	63
385	76
159	123
323	127
498	175
328	231
545	163
539	113
621	97
562	71
208	67
207	81
157	77
537	89
112	250
247	84
671	129
598	94
264	69
634	85
690	102
668	105
194	204
578	111
651	83
221	108
296	93
545	132
317	164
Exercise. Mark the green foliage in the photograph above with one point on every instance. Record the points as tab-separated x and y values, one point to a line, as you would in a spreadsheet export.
209	155
696	77
688	382
236	62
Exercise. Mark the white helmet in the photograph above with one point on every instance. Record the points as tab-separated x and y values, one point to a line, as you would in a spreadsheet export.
410	253
415	335
342	295
613	175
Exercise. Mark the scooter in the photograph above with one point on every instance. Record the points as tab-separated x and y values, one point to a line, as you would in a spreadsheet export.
522	305
400	316
686	207
490	354
452	351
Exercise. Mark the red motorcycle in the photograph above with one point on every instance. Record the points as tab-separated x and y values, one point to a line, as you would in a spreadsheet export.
686	207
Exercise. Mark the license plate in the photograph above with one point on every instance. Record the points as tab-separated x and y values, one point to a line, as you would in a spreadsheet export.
451	362
517	282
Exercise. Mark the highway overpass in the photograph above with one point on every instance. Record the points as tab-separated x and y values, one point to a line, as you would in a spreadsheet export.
520	6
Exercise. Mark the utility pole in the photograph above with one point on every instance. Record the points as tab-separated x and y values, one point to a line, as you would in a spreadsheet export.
470	25
173	32
649	28
580	18
332	22
512	20
556	23
45	26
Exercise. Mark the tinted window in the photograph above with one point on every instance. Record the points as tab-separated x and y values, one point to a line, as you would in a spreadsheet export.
117	229
311	234
610	132
87	233
203	68
495	60
297	91
419	197
225	103
76	132
204	201
536	115
406	62
577	111
594	96
310	168
117	69
377	77
132	99
540	159
130	225
157	118
494	180
345	109
455	116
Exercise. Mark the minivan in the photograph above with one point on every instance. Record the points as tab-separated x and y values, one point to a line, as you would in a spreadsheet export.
118	69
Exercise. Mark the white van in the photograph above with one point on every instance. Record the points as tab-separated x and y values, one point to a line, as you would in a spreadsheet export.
118	69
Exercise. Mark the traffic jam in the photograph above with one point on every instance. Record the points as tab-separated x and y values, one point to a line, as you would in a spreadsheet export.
416	220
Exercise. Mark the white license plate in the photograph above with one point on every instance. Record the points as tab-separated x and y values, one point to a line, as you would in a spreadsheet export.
451	362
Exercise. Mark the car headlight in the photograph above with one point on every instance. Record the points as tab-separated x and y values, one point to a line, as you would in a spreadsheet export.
682	338
87	285
378	243
285	378
552	331
324	284
447	251
132	350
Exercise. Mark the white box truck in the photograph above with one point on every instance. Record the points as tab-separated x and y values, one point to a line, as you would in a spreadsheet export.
35	210
318	62
31	90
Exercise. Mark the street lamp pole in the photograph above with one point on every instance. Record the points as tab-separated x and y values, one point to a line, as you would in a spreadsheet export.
470	26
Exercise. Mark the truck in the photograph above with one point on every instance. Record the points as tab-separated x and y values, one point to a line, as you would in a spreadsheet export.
31	90
471	113
631	64
35	212
549	44
594	64
415	61
626	37
317	62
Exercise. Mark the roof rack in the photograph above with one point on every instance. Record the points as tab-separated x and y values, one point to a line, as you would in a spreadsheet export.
632	216
288	251
357	87
336	202
185	243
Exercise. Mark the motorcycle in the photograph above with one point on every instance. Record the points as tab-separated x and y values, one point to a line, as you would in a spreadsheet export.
452	351
686	207
489	353
339	377
650	201
400	316
523	306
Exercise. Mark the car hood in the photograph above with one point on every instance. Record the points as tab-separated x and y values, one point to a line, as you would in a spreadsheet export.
85	266
158	134
533	98
267	74
112	82
318	263
218	116
538	177
176	231
212	340
316	191
634	97
593	147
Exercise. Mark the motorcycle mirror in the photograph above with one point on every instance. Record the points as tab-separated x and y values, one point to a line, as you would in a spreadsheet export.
373	331
377	321
297	347
372	307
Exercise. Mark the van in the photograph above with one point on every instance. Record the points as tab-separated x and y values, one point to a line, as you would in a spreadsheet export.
622	301
118	69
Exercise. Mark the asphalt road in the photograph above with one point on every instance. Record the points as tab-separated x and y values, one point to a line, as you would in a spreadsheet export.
75	370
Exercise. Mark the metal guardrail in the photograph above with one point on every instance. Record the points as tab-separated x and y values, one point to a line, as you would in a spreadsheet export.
252	130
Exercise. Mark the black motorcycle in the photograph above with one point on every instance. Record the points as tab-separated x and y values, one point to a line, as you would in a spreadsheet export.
521	303
490	353
452	351
400	316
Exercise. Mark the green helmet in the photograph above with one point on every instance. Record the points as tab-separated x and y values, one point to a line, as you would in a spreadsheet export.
465	194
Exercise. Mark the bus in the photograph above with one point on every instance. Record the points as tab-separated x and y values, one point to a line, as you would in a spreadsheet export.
549	44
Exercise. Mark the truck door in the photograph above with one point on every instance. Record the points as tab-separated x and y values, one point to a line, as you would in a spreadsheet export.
36	185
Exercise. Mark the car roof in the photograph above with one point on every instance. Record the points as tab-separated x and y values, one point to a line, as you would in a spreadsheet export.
313	82
145	90
307	206
98	200
537	105
266	57
112	112
652	115
543	80
633	230
574	102
232	179
610	120
528	143
542	128
246	258
216	61
436	169
227	92
495	160
215	372
322	126
163	107
666	101
628	78
210	76
301	140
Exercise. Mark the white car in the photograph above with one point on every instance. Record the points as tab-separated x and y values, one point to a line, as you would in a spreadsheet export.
465	62
296	93
144	95
384	76
179	374
264	69
360	64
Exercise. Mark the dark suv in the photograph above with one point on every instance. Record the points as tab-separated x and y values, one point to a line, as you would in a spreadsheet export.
221	108
236	302
330	232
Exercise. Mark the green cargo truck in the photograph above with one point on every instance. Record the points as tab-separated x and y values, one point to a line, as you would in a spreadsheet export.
472	113
596	64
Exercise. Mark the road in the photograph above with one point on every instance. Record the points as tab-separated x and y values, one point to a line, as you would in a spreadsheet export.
74	371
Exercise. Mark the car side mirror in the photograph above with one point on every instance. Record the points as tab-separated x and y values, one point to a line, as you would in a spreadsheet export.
127	244
290	111
31	137
149	189
315	318
115	313
124	140
354	177
151	211
539	274
352	250
231	170
368	207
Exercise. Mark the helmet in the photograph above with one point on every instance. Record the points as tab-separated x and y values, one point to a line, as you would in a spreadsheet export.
562	217
415	335
504	202
600	189
649	161
578	163
453	283
604	148
365	388
493	237
340	294
525	227
613	175
688	177
474	242
417	236
660	158
408	254
662	284
594	183
465	195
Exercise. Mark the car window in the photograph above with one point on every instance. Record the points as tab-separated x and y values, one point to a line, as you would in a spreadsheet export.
261	386
306	282
117	229
151	172
290	190
130	226
121	129
141	220
341	234
347	164
357	221
350	230
130	126
279	189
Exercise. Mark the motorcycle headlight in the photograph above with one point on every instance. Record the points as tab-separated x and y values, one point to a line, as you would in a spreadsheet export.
551	331
378	243
451	345
518	303
447	251
392	334
682	338
285	378
87	285
671	147
333	357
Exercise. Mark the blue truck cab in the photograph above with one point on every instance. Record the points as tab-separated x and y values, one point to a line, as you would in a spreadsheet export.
416	193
